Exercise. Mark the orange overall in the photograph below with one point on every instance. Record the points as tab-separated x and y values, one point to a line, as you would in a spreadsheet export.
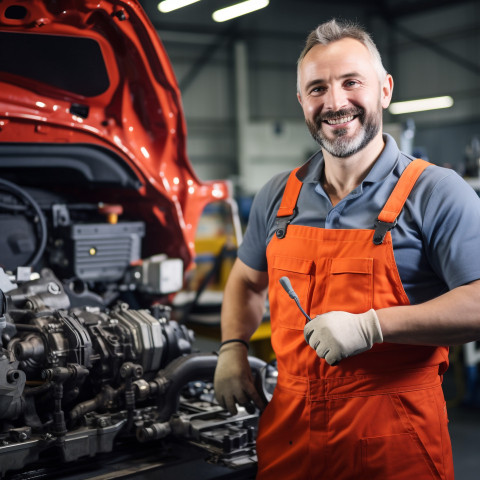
377	415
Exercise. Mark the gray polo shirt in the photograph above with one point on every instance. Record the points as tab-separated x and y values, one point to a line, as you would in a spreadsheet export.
437	238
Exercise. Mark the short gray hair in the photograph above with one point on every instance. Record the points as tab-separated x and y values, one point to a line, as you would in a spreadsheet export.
333	31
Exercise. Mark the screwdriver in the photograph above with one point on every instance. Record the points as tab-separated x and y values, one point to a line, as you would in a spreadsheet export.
287	286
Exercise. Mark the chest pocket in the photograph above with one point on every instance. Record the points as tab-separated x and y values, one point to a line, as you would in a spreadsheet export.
349	286
283	308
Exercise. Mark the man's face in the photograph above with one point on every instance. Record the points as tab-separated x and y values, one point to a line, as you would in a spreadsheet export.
342	96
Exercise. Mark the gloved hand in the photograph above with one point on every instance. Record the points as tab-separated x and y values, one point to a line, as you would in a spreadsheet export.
337	335
233	381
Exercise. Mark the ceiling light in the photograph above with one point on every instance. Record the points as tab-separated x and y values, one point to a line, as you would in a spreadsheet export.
238	9
169	5
420	105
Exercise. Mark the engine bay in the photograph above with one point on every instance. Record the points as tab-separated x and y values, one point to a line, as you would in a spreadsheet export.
91	358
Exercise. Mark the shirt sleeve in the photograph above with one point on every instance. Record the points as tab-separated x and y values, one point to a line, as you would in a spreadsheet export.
451	228
253	250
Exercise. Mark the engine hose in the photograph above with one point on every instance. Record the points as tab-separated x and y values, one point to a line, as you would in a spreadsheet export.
196	366
27	198
38	390
153	432
107	395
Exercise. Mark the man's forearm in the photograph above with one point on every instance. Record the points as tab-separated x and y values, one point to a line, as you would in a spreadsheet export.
451	319
243	303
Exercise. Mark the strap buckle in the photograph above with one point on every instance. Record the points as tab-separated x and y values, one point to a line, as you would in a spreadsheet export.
381	229
281	224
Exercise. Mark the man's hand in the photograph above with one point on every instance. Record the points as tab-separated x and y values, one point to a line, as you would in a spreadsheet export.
337	335
233	381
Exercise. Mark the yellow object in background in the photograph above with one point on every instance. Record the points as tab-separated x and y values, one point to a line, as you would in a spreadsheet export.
216	245
213	253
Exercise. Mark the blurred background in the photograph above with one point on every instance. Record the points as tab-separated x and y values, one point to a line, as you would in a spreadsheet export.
238	80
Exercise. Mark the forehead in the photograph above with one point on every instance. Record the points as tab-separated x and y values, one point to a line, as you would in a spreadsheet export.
335	59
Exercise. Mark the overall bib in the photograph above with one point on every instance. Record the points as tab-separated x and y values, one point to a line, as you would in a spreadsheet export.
377	415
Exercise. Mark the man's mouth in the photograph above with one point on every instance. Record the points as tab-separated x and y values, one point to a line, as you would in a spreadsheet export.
338	121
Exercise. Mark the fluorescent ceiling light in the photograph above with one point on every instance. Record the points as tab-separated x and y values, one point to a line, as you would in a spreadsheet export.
420	105
238	9
169	5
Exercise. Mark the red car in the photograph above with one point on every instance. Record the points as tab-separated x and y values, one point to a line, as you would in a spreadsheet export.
92	128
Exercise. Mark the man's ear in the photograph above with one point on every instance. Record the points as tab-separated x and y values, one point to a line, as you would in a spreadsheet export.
387	91
299	98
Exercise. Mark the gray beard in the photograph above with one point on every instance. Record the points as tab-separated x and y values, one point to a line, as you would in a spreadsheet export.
342	147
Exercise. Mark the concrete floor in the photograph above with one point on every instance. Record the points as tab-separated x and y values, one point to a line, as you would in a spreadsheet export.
463	404
464	429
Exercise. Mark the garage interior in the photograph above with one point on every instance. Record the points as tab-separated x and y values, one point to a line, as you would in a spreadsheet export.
237	82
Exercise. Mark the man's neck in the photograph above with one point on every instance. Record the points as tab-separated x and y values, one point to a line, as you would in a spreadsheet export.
342	175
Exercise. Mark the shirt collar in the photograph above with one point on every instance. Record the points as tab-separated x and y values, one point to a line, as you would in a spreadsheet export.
311	171
386	162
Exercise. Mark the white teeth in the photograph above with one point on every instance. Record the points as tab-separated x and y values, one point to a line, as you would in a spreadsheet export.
340	120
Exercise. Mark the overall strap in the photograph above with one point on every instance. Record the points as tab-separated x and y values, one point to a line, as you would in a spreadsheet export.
387	219
288	206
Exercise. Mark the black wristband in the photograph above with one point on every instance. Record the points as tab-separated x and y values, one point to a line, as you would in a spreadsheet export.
239	340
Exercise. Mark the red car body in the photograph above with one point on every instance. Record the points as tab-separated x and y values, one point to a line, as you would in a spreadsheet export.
95	74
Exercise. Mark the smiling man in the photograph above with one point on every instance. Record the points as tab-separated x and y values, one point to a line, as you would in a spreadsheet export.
381	250
344	93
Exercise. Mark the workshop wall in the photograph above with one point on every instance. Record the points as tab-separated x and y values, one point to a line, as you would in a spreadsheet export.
437	53
429	51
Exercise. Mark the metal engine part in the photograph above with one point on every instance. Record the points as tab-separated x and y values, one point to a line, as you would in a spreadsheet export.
74	382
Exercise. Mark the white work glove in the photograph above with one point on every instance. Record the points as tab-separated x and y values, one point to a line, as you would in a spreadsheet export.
233	380
337	335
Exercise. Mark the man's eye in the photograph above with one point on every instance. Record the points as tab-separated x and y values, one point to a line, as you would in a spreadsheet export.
351	83
317	90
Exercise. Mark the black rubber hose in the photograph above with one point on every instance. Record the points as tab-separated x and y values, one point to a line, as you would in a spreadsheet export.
19	192
107	395
196	366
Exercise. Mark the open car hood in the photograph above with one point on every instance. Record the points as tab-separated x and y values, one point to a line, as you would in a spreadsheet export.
87	86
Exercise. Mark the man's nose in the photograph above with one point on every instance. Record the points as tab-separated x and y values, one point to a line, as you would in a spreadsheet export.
335	99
